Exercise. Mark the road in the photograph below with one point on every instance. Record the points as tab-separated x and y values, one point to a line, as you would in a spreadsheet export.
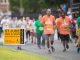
71	54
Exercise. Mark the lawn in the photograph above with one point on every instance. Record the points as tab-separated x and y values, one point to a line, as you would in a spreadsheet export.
9	54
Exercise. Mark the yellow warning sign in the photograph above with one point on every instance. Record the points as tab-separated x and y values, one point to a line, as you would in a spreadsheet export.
14	36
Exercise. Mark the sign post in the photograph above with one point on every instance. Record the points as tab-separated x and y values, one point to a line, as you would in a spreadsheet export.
13	36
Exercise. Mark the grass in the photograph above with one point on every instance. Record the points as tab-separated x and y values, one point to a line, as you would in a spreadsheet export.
9	54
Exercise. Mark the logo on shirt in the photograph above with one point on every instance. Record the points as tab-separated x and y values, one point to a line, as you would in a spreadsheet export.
48	22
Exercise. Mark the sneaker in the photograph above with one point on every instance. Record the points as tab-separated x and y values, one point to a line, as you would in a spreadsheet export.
64	50
49	51
52	48
43	47
67	46
39	47
19	48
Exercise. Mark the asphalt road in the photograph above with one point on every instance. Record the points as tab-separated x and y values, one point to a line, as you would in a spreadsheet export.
70	54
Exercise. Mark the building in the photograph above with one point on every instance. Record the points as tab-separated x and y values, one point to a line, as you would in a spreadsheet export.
75	6
4	6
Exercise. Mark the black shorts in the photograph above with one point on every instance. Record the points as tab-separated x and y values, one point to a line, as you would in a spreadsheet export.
64	37
1	30
28	33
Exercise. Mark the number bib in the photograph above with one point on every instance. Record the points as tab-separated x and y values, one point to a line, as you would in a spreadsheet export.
66	28
40	28
78	32
49	28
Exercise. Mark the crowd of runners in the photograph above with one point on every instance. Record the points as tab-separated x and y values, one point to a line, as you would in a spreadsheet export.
41	31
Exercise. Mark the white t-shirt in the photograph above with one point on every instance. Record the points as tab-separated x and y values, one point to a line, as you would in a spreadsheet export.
14	24
69	14
32	26
22	24
5	23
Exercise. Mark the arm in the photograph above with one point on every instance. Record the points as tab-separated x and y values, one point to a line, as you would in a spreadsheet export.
77	25
54	24
43	21
70	22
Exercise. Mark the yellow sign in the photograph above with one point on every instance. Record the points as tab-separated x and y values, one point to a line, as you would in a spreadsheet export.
14	36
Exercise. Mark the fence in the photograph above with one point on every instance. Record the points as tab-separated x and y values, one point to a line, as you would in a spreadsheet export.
35	15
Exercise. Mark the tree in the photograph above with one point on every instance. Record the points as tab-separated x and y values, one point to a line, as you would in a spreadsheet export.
29	6
14	5
33	5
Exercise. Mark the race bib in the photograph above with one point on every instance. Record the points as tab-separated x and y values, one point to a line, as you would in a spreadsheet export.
49	28
65	23
48	22
66	28
40	28
78	32
23	26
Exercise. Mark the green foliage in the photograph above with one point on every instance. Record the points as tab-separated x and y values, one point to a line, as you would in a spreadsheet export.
33	5
14	5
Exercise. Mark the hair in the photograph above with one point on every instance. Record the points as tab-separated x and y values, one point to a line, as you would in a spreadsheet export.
48	9
63	13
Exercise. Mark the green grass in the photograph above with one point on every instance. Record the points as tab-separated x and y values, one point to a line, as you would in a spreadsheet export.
9	54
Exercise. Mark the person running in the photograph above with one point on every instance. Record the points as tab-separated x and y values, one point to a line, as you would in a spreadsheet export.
43	36
14	22
73	27
39	31
22	25
5	22
78	33
58	34
32	25
28	30
64	24
48	22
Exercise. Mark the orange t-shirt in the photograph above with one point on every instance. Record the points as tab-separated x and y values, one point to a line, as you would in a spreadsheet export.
48	22
63	25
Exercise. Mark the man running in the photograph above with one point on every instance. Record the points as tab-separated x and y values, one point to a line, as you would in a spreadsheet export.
39	31
64	24
32	25
5	22
48	22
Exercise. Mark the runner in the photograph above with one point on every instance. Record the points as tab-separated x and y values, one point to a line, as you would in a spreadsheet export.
58	34
48	22
39	31
32	31
64	24
28	30
19	26
43	36
78	33
5	22
14	22
22	24
73	27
